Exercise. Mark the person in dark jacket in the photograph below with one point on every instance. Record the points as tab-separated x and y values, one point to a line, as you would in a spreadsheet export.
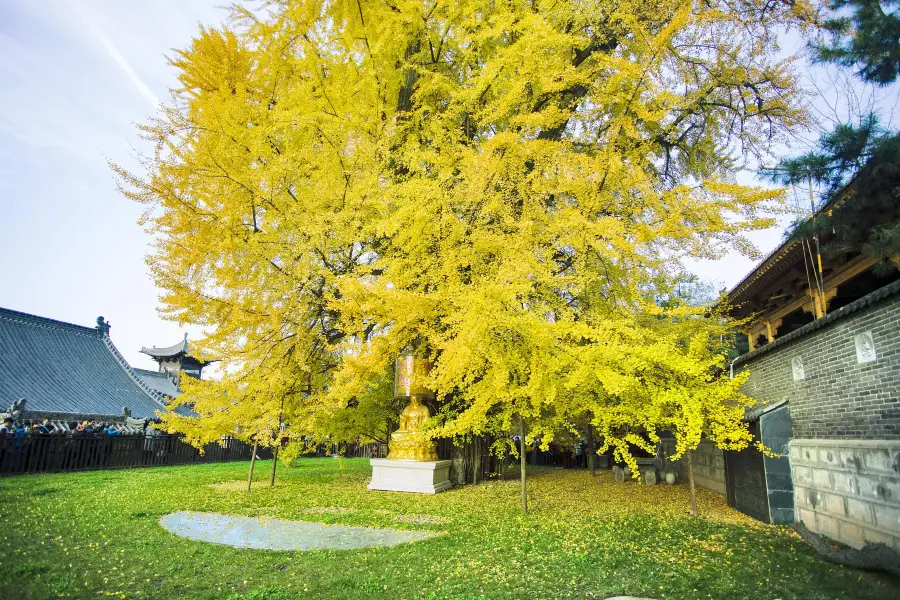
20	435
7	429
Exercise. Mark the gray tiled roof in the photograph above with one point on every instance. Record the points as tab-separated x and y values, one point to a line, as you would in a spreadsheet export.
161	382
64	368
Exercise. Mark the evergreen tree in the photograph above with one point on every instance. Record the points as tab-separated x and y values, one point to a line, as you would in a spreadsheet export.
869	38
868	218
867	153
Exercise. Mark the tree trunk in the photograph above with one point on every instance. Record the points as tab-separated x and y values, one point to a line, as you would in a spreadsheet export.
277	443
690	461
522	463
591	453
475	461
274	465
871	557
252	464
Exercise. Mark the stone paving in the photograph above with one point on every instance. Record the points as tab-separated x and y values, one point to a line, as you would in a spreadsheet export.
279	534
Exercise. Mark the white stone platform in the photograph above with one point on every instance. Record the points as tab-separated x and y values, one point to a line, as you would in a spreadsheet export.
425	477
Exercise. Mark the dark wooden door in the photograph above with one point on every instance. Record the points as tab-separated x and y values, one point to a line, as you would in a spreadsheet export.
745	480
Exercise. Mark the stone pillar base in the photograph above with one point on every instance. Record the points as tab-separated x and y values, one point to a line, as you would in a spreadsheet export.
423	477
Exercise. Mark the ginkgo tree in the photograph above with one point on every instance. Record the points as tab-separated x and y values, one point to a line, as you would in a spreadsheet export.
248	411
665	372
499	185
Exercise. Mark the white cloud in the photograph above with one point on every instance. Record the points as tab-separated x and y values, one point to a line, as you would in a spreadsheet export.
117	56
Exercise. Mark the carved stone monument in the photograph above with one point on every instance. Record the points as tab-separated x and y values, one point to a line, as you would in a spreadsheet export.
797	369
865	347
412	463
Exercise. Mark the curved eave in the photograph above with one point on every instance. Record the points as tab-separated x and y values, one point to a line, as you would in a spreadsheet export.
777	262
167	352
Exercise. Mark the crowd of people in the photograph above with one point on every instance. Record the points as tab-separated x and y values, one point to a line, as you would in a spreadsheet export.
30	443
13	429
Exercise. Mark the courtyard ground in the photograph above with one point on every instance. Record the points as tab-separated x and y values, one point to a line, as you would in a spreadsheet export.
96	534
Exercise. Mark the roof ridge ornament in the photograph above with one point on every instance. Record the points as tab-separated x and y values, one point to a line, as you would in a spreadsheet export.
103	326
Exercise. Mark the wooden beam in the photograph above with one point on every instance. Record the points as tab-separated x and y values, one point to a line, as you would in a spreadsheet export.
807	302
850	270
816	306
757	329
772	328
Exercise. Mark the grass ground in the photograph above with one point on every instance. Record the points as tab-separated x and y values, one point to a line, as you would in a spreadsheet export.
90	535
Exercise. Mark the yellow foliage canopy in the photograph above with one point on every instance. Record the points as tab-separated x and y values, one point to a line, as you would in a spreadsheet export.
507	187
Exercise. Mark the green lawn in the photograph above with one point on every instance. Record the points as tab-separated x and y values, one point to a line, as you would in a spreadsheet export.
90	535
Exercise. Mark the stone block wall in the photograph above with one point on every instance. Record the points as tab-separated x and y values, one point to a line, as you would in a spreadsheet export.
848	490
709	465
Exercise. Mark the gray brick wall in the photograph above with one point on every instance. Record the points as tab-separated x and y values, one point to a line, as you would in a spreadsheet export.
845	451
839	398
709	465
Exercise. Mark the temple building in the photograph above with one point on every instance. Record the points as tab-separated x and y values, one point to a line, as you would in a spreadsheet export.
789	290
163	383
822	346
821	342
67	372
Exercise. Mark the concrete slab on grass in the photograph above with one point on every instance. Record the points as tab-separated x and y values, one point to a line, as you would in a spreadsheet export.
279	534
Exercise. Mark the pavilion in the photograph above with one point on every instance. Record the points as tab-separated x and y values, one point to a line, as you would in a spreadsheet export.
175	360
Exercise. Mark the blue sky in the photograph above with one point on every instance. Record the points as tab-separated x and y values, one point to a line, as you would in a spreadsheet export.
75	78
